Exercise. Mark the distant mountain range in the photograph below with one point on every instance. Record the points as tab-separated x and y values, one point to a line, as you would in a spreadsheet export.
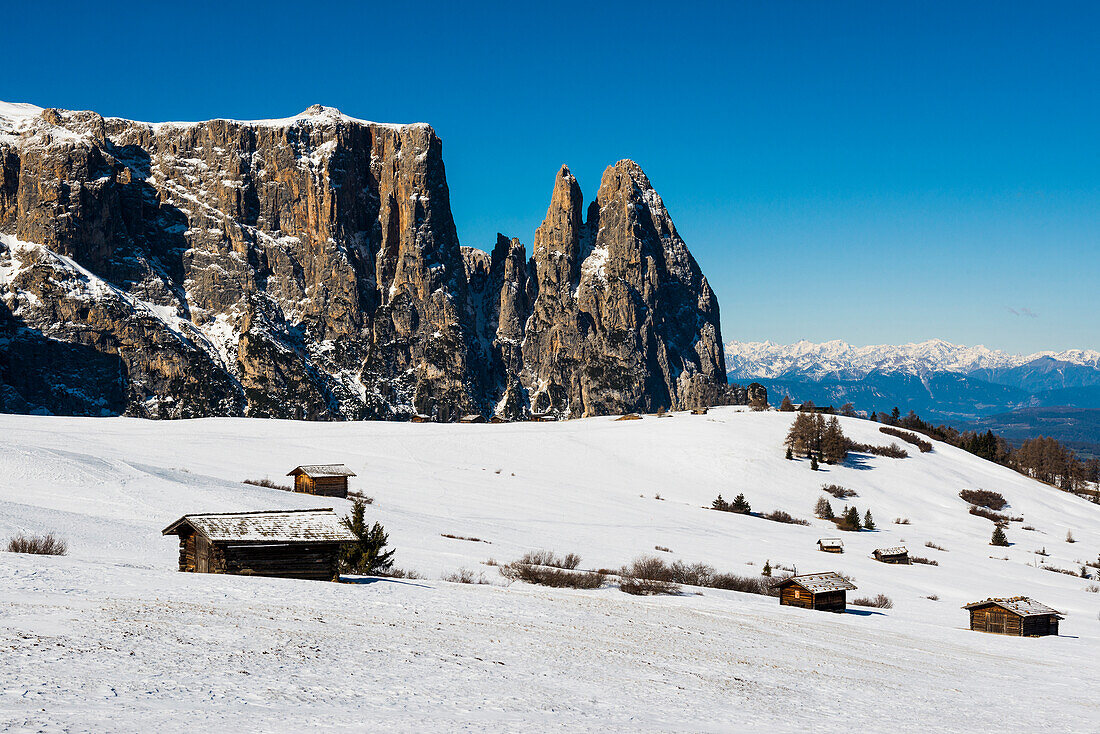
964	386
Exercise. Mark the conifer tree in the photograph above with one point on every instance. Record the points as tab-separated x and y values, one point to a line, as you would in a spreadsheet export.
813	463
740	504
366	554
999	537
834	444
874	417
823	509
868	521
767	569
786	406
790	456
720	504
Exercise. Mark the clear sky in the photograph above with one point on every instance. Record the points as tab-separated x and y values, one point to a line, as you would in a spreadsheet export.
877	172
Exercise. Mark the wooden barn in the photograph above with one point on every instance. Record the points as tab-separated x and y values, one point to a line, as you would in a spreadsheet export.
542	417
421	418
629	417
1017	615
830	545
698	411
891	555
295	544
472	418
327	480
823	591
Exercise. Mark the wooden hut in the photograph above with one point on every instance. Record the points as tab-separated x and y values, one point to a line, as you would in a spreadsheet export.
1017	615
542	417
891	555
421	418
629	417
698	411
824	591
830	545
296	544
327	480
472	418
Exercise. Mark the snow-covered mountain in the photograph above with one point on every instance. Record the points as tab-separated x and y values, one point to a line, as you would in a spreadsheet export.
113	638
840	360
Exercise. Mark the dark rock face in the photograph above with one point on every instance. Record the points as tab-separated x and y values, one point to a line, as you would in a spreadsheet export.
310	268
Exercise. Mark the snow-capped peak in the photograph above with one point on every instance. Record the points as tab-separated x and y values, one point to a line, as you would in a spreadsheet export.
840	359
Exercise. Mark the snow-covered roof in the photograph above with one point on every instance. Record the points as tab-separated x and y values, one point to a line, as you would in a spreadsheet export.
830	542
282	526
322	470
819	582
896	551
1021	605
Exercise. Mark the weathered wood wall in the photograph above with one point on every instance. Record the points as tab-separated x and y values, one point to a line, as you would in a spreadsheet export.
297	561
795	596
1000	621
324	486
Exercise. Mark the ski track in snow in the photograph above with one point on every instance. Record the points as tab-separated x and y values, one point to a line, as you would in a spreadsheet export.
112	638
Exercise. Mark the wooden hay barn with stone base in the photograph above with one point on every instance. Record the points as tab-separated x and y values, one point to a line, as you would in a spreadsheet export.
891	555
293	544
1017	615
327	480
822	591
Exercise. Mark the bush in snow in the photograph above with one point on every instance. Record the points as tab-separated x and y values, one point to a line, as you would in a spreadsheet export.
784	517
551	576
549	558
41	545
647	575
839	492
265	482
465	576
984	498
925	561
879	601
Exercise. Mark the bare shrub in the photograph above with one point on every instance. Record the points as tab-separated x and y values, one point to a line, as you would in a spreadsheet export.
1028	527
647	575
984	498
551	576
933	597
400	573
1092	589
920	443
925	561
464	537
762	585
693	574
465	576
548	558
879	601
1066	571
1069	537
901	521
996	517
893	451
662	548
365	499
491	562
930	544
39	545
841	493
785	517
265	482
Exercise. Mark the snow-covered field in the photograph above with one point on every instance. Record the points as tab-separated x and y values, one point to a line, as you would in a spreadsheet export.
112	638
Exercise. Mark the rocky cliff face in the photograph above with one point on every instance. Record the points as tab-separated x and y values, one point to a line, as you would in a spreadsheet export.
310	268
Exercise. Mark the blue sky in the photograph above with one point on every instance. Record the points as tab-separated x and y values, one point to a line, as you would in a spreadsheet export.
874	172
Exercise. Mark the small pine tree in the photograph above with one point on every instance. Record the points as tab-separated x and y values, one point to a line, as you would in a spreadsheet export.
786	406
1069	537
366	555
790	455
849	520
740	504
813	463
868	521
720	504
768	568
998	537
874	417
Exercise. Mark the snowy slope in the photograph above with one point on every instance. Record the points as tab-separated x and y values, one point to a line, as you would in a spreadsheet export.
112	638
